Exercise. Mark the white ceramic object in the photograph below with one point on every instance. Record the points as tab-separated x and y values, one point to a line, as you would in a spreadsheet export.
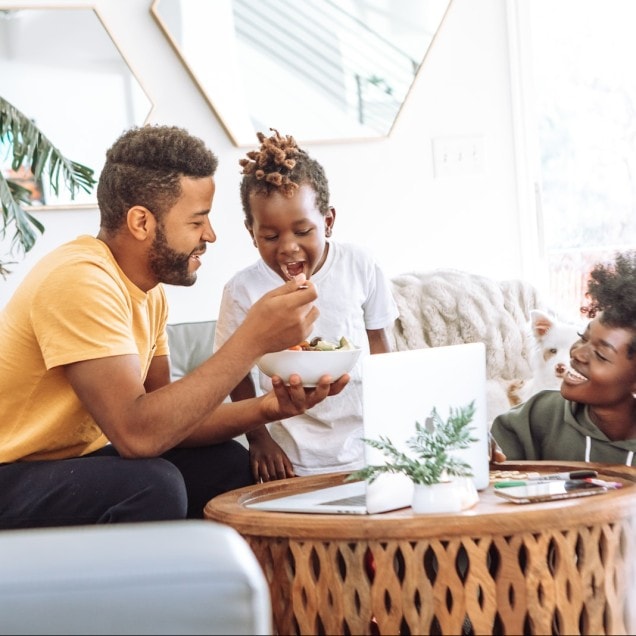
309	365
448	496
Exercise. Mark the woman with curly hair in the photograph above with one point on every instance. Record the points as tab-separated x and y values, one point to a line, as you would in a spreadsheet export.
593	417
285	198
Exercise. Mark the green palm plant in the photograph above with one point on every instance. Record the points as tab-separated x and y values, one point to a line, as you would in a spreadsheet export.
27	146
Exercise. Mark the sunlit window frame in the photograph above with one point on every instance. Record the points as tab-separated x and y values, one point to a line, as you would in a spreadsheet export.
565	292
528	170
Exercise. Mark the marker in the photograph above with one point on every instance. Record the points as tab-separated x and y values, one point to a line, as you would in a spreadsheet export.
535	478
576	474
509	484
569	483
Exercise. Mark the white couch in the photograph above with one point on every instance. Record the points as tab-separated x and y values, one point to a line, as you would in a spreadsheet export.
178	577
181	577
191	343
449	306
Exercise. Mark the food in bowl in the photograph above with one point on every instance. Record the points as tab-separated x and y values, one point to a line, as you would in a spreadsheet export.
318	359
320	344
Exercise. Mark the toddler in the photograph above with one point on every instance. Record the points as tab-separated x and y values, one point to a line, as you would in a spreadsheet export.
285	198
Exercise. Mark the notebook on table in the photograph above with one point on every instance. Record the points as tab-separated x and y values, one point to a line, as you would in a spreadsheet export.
398	389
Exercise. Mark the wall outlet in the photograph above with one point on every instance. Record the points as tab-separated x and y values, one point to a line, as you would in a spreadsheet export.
458	155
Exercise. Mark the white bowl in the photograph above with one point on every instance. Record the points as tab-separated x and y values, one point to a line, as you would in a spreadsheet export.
309	365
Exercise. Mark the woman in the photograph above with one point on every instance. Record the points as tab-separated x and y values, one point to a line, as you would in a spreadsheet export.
593	417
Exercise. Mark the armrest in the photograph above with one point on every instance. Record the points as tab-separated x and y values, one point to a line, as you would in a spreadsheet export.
180	577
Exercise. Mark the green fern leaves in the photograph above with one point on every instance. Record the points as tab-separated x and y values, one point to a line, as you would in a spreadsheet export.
432	459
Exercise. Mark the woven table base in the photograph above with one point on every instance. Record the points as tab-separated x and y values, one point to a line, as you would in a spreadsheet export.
501	568
571	582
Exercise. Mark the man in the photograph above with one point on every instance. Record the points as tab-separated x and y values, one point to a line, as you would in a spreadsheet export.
91	429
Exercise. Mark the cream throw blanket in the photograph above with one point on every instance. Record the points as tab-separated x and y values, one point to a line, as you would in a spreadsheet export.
448	306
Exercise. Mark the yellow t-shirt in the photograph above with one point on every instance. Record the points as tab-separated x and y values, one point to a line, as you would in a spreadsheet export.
75	304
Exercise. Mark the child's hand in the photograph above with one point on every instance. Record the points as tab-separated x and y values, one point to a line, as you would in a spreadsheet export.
268	461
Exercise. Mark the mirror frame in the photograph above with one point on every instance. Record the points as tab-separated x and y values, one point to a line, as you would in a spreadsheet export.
154	10
71	205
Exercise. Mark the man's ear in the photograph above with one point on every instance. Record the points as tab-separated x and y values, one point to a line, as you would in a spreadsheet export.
141	222
248	227
330	219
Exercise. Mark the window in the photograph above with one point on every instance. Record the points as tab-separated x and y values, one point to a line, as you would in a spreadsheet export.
576	99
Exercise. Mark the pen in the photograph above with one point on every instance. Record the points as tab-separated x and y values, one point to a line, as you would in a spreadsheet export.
612	485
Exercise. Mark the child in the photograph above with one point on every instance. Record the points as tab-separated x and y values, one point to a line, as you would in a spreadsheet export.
285	198
593	417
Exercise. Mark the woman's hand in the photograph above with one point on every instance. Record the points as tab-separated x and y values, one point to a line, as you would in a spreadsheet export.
496	454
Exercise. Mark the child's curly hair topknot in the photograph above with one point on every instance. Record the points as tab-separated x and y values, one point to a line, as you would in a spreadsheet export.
279	165
612	291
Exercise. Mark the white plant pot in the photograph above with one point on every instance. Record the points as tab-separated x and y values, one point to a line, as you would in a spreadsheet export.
448	496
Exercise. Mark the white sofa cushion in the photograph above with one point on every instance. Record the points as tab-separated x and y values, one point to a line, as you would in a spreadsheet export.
191	343
179	577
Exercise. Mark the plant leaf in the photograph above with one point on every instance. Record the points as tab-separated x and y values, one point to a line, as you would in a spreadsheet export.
28	146
430	447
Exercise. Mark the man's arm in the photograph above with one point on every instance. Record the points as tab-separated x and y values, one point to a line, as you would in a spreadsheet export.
190	411
158	374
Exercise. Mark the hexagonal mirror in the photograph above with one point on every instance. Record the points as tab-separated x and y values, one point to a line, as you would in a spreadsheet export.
60	67
318	69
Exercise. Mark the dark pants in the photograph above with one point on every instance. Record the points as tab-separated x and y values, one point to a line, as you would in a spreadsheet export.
105	488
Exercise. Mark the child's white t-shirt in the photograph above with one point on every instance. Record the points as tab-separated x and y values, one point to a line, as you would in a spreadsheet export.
353	295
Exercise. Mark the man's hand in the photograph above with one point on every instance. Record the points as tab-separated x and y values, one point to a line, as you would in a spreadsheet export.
293	399
281	318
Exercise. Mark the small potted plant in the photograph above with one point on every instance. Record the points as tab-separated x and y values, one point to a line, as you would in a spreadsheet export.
442	481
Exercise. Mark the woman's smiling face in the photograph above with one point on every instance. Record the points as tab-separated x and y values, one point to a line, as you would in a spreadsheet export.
603	374
290	232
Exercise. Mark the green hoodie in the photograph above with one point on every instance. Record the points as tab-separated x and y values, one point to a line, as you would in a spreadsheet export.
547	426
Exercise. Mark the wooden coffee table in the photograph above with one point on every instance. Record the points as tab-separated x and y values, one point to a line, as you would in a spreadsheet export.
563	567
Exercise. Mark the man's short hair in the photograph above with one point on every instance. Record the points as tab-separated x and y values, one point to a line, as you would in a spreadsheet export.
144	167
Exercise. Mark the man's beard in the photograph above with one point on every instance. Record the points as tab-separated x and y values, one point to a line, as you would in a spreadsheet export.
168	265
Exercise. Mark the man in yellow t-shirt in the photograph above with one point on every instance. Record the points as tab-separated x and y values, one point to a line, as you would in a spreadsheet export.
91	429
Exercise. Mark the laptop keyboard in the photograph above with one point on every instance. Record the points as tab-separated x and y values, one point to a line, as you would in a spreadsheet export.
355	500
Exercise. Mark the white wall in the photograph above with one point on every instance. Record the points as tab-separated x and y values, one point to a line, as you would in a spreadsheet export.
385	191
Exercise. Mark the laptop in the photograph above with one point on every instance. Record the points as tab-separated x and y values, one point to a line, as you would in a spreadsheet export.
398	389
